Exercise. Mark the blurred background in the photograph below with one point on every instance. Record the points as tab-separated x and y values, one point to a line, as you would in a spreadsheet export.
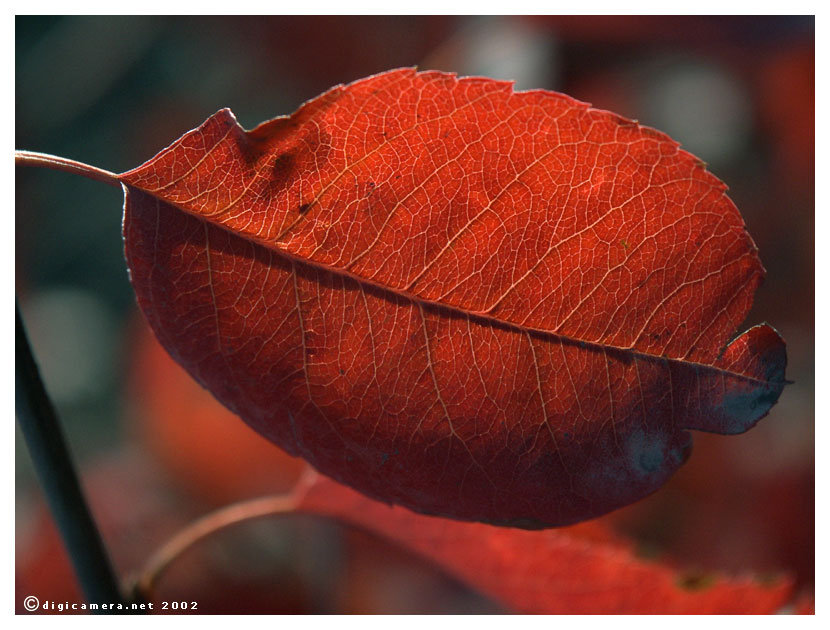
154	449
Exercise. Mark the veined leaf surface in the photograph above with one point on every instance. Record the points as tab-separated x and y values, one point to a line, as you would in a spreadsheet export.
477	303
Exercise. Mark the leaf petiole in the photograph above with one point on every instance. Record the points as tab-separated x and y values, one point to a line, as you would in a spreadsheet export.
44	160
211	523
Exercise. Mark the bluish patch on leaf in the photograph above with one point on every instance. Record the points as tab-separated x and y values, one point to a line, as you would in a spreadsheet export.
646	454
742	409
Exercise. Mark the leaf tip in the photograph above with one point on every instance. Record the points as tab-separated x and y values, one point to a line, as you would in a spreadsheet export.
758	361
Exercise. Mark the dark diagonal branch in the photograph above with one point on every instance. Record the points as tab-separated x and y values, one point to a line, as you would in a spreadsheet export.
53	465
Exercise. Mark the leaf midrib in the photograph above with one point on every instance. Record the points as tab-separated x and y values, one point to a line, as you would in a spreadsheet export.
475	316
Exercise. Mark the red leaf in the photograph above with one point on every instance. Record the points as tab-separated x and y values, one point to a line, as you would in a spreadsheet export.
581	569
482	304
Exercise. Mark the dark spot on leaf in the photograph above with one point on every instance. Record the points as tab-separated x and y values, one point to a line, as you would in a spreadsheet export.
304	208
695	581
282	170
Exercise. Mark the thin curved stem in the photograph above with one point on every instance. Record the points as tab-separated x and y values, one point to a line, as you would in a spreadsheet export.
209	524
44	160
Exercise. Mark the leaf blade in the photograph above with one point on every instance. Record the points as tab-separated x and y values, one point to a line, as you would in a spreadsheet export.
401	364
580	569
